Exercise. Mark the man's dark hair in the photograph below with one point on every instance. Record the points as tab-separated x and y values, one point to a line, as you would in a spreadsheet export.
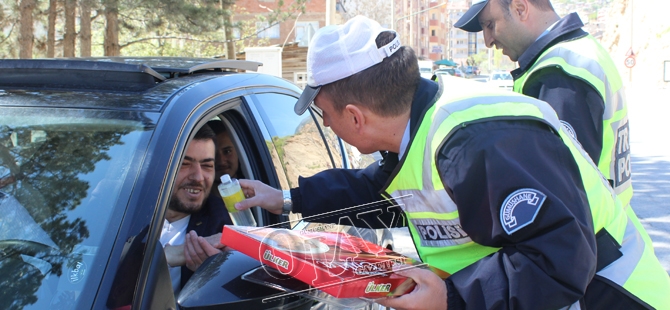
205	133
542	5
217	126
386	88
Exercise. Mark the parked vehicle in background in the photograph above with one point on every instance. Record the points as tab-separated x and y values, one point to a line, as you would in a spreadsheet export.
426	73
471	71
502	79
89	153
450	71
426	68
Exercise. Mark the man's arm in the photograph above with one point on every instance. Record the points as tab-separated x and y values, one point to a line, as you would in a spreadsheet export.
194	250
331	190
546	264
576	102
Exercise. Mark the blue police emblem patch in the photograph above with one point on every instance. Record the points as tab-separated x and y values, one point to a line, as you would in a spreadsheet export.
520	209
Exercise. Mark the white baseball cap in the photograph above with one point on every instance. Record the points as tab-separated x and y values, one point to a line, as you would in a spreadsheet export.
339	51
470	21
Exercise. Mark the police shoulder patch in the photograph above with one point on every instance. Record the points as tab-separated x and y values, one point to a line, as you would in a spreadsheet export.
520	209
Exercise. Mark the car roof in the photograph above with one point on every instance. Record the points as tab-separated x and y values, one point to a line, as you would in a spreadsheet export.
144	83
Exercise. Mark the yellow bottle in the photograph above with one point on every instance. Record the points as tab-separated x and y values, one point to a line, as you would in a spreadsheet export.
231	192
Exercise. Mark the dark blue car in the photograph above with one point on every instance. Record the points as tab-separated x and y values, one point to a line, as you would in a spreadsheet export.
89	151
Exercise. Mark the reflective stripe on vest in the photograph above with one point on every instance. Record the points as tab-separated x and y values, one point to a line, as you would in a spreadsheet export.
433	218
585	59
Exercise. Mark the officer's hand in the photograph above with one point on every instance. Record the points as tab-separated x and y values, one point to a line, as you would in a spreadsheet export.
430	292
262	195
197	250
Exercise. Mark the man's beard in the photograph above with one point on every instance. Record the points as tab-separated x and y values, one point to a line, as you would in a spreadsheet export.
188	208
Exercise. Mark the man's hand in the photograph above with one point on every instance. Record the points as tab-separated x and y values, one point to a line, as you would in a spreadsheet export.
430	292
262	195
198	249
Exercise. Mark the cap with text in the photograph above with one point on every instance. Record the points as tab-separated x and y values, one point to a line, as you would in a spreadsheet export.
470	21
339	51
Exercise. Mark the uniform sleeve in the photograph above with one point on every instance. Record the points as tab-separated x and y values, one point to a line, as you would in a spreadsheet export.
548	262
575	102
331	190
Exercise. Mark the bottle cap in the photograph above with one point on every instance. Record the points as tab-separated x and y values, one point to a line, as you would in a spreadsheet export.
225	179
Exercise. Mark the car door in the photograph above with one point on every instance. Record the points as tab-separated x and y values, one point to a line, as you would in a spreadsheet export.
274	144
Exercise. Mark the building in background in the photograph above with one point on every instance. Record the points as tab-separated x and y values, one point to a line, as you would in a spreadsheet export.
427	26
424	25
288	39
318	13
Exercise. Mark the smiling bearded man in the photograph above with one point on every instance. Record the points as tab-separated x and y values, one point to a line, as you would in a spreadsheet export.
190	192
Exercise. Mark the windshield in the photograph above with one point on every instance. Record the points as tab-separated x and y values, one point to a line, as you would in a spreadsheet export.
61	179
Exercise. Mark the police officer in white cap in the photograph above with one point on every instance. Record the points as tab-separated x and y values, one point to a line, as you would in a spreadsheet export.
497	185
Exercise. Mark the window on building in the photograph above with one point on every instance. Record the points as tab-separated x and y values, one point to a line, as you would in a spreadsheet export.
432	32
265	31
303	29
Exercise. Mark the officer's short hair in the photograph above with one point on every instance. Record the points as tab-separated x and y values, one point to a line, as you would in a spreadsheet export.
386	88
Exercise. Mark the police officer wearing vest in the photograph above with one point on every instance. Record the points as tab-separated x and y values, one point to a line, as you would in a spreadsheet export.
503	198
563	65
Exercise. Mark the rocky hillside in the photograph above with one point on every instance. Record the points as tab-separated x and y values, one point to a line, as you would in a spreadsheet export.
648	33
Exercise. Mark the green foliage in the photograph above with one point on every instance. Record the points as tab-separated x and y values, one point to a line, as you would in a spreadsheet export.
154	27
279	144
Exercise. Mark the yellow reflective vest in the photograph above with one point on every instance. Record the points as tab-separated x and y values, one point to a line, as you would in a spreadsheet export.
586	59
433	217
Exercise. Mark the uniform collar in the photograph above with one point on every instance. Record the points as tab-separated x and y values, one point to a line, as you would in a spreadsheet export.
424	98
567	28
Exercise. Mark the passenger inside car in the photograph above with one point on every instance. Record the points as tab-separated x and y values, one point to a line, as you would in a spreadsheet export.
227	159
188	215
200	244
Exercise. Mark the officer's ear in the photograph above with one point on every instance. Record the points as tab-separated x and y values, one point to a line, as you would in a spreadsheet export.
520	9
355	116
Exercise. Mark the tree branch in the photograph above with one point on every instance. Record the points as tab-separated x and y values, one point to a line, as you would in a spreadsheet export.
9	34
168	37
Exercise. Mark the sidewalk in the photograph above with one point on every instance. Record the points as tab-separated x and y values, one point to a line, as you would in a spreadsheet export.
649	110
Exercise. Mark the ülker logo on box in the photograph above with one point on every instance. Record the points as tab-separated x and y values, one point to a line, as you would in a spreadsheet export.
275	260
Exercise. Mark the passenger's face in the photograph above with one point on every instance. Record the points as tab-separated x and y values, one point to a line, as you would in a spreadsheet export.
227	161
504	31
195	177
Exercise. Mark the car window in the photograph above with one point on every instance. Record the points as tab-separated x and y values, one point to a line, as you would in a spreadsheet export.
355	159
297	139
61	179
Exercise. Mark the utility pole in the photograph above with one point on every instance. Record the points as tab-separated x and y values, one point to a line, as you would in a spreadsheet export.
392	14
329	12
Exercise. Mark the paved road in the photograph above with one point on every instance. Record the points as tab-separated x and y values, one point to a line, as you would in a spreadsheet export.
649	110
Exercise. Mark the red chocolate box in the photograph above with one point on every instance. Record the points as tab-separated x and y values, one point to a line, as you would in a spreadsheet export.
339	264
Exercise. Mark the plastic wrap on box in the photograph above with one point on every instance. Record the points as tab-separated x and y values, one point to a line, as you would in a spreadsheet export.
339	264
